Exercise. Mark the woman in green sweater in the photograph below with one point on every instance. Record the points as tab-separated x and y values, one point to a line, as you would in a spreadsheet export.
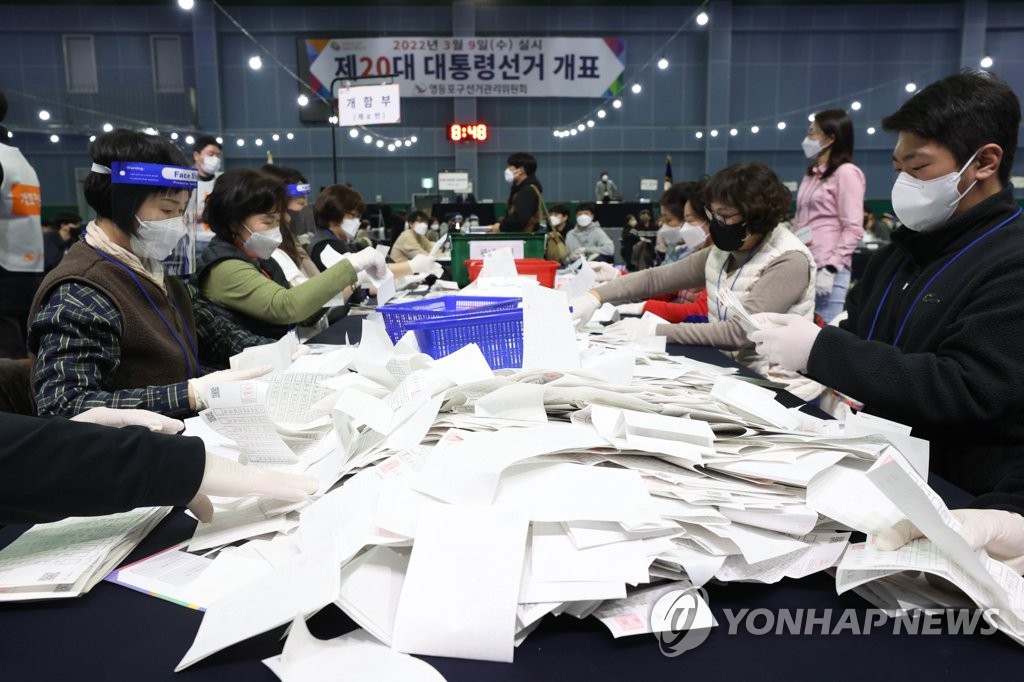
237	272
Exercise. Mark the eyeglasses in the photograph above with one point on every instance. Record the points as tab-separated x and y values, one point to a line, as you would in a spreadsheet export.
718	216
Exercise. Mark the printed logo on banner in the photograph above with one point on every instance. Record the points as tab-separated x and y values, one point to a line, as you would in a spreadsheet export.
474	67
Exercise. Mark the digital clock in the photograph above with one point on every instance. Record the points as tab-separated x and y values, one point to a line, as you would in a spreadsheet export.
467	132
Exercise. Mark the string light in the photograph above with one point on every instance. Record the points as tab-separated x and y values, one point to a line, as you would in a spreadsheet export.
302	100
662	63
54	139
44	115
855	105
910	87
637	88
781	125
290	136
353	133
275	137
702	19
255	63
986	62
240	142
871	130
189	140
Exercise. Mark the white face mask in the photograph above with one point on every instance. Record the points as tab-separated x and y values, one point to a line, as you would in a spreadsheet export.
555	220
671	235
350	226
583	220
693	235
812	147
924	205
210	164
419	228
263	244
604	178
156	239
509	176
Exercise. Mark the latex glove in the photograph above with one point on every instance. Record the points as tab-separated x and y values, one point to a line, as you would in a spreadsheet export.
785	339
584	307
224	478
422	263
824	282
369	261
108	416
631	308
300	350
363	281
604	272
199	388
580	252
1000	533
632	329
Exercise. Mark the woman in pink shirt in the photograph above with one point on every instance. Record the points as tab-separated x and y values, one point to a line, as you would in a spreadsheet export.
830	207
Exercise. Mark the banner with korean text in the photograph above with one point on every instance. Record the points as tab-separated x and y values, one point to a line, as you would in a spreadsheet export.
472	67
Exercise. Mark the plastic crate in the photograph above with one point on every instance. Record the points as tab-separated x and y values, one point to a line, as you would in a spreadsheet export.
543	269
499	334
533	247
398	316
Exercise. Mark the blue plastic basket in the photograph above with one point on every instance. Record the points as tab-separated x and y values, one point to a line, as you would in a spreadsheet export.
499	334
398	316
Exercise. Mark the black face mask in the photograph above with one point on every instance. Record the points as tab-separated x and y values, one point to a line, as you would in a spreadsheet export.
728	237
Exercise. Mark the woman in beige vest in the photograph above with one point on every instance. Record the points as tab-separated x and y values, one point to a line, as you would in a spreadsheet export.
752	254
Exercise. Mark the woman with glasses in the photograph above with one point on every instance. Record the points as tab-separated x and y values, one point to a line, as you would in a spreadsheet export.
752	255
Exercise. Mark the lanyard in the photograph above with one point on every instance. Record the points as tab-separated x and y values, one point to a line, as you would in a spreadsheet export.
718	298
188	360
920	293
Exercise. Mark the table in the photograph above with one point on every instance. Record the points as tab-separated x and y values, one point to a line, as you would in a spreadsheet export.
113	633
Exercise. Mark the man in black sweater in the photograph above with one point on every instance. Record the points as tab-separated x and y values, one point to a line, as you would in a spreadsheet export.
524	199
934	327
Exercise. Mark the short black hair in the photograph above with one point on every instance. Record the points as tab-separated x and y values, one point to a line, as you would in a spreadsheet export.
559	208
524	161
675	197
963	112
203	141
334	202
288	176
65	217
755	191
838	124
238	194
417	216
587	206
127	145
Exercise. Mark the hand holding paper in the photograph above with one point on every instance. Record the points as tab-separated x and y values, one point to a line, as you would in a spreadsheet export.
785	339
584	307
224	478
1000	533
199	388
370	261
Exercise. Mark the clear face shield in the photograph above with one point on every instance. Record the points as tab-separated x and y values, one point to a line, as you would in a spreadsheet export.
156	206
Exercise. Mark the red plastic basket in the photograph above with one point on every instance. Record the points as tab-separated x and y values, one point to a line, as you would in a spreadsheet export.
544	270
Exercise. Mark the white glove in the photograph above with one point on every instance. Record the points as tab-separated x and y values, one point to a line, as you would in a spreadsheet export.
632	329
199	388
300	350
422	263
604	272
584	307
1000	532
107	416
785	339
580	252
224	478
370	261
636	309
824	282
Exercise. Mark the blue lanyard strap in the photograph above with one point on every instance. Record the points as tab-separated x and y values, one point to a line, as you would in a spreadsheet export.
931	280
718	297
188	360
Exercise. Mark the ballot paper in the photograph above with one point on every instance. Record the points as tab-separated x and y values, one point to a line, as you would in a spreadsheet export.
238	410
753	402
68	557
168	575
438	246
549	339
277	355
371	585
498	264
353	656
460	593
385	287
293	397
735	306
636	614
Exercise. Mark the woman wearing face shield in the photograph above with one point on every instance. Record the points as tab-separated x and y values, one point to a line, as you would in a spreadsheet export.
237	271
829	207
752	255
113	325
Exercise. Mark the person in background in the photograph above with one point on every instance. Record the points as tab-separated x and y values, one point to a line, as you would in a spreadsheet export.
605	189
110	326
21	241
932	335
628	241
525	197
684	224
829	207
91	467
588	240
558	219
57	241
413	240
752	255
208	157
237	272
434	232
300	222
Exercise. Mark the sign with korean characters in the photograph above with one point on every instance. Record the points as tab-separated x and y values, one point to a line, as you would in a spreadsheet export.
473	67
367	105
